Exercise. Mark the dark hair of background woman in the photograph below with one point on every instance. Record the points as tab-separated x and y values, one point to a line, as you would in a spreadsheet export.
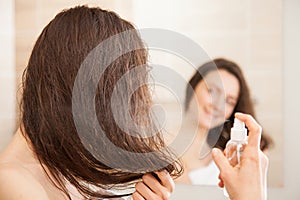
244	103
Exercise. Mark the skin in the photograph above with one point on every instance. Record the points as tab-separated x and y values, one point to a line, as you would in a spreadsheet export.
25	179
150	188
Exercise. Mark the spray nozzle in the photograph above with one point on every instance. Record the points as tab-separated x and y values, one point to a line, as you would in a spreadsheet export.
238	131
238	124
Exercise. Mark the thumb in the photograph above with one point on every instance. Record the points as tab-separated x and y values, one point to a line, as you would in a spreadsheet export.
221	161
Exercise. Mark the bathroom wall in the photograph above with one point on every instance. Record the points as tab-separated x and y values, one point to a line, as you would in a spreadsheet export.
7	72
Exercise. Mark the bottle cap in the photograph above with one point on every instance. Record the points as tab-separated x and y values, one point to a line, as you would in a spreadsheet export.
238	131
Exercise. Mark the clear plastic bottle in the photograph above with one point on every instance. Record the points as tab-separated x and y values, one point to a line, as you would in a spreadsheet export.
236	145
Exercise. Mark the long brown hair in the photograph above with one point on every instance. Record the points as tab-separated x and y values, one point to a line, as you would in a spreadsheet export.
47	102
244	103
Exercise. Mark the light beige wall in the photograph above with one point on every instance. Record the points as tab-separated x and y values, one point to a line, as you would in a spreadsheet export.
7	72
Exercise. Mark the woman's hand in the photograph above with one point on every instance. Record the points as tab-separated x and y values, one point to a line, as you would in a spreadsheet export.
152	189
247	180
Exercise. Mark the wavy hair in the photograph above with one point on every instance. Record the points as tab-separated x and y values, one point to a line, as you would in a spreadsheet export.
46	104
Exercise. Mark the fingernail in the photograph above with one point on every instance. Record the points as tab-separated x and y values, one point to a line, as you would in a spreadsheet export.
215	151
238	113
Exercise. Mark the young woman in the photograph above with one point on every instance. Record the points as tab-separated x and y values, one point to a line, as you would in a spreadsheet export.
48	157
220	90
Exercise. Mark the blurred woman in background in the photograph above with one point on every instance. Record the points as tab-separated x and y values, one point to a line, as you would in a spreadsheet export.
220	90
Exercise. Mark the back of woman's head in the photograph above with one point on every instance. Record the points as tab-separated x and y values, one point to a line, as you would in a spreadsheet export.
48	82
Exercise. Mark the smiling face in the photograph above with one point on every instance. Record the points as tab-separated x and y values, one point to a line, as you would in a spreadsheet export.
216	99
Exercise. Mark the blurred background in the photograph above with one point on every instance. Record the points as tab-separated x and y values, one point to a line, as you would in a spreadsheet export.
249	32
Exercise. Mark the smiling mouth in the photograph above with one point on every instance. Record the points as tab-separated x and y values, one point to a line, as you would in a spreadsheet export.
211	114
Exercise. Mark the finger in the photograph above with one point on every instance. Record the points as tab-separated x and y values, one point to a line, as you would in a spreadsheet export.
222	163
253	127
155	186
144	191
137	196
166	180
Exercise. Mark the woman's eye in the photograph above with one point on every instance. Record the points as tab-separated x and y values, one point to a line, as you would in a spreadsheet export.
230	102
211	90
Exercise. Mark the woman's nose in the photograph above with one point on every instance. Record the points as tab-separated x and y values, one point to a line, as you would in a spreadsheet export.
218	103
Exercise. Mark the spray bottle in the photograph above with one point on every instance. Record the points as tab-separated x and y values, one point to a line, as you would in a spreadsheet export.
236	144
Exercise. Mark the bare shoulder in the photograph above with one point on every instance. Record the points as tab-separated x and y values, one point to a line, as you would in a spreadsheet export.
19	184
